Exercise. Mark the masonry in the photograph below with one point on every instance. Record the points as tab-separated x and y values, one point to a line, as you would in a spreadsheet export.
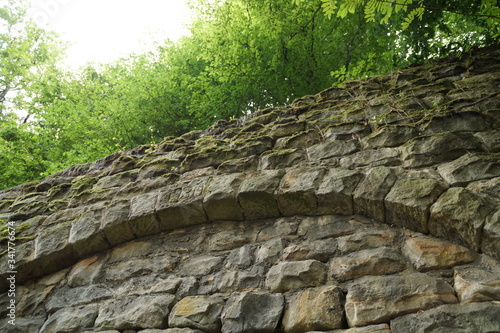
371	207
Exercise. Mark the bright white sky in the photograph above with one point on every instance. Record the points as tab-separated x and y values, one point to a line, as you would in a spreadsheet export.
104	30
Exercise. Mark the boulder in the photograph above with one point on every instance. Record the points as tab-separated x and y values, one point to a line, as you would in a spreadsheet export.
257	312
314	309
378	299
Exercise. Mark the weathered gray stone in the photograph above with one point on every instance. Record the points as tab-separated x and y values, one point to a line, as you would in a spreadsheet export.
389	136
230	236
321	250
168	330
142	218
409	201
371	191
282	158
378	299
372	157
489	189
135	312
380	261
53	249
459	216
328	226
458	122
456	318
200	265
114	222
491	236
335	191
298	140
296	194
141	266
257	312
201	312
85	272
469	168
22	324
331	149
366	239
269	252
437	148
181	204
314	309
221	200
296	274
240	258
477	283
70	319
257	195
426	253
85	234
65	297
282	227
381	328
490	140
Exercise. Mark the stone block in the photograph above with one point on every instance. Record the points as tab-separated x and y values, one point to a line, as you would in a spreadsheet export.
134	312
328	226
381	328
490	140
52	248
296	194
295	275
201	265
335	192
198	312
372	157
409	201
114	222
491	236
141	266
378	299
389	136
142	218
85	234
257	312
314	309
23	324
371	191
459	216
221	199
331	149
269	251
380	261
366	239
469	168
437	148
282	158
426	253
257	195
477	283
471	317
181	204
70	319
85	272
71	297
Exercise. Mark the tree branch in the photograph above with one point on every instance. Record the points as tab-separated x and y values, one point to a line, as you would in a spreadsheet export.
442	9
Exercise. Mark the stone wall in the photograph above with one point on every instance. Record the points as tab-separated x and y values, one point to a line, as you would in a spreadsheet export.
372	207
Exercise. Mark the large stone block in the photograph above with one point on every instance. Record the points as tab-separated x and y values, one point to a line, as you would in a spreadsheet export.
181	204
331	149
367	239
426	253
296	194
85	234
372	157
380	261
114	222
409	201
142	218
257	195
71	297
378	299
199	312
469	168
477	283
70	319
135	313
314	309
491	236
389	136
336	190
459	216
257	312
221	199
295	275
371	191
471	317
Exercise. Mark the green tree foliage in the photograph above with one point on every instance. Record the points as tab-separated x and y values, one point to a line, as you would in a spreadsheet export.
242	55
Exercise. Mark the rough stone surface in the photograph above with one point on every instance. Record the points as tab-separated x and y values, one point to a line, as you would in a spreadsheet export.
252	312
199	312
296	195
257	195
221	201
314	309
335	192
491	236
469	168
296	274
378	299
477	284
70	320
461	318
